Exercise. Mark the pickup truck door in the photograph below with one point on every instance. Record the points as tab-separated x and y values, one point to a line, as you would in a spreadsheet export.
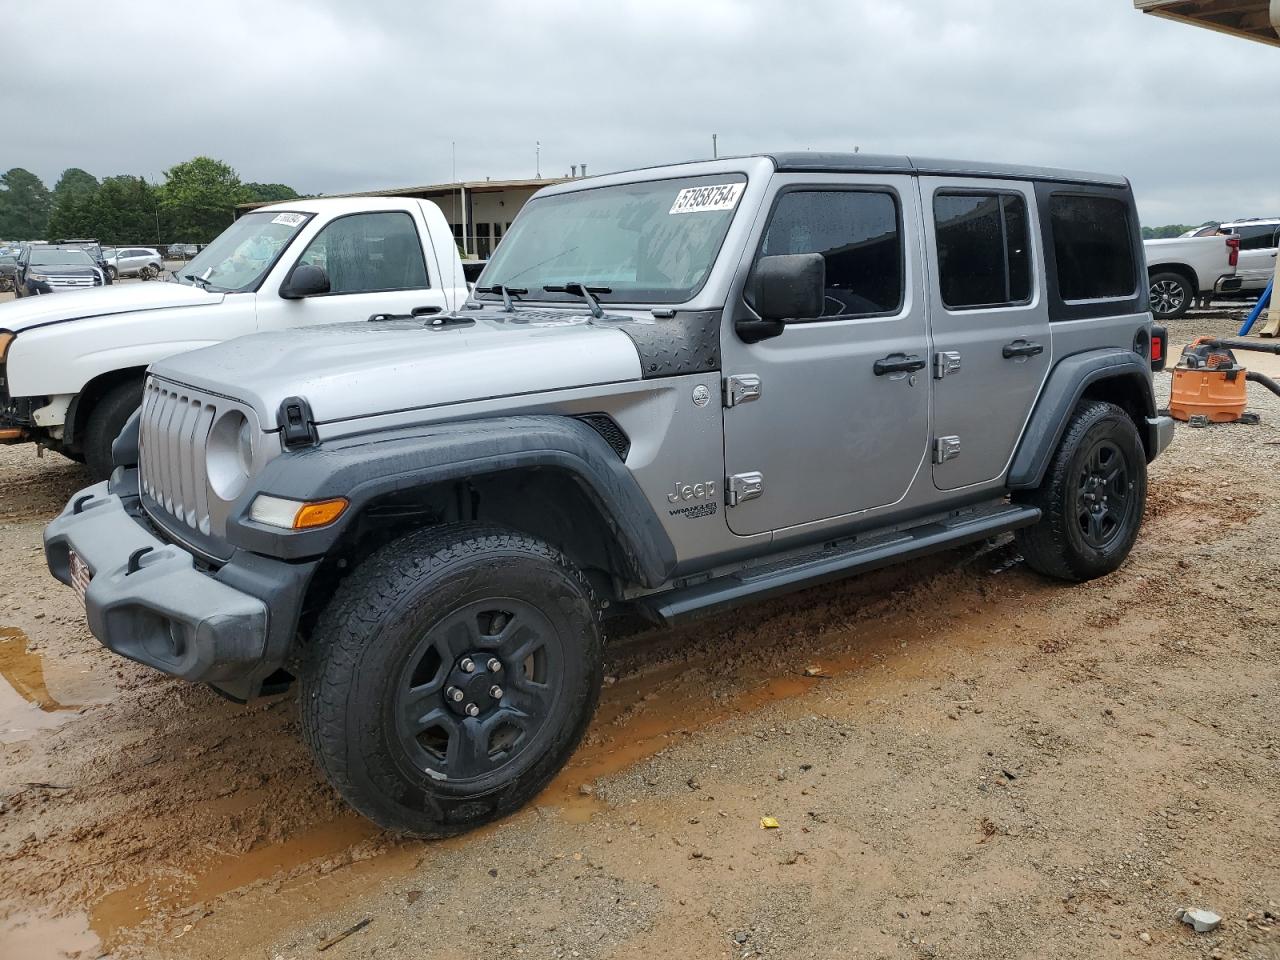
376	262
841	422
1258	245
990	323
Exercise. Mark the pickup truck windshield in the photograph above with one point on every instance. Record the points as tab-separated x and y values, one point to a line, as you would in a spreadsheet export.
241	255
648	242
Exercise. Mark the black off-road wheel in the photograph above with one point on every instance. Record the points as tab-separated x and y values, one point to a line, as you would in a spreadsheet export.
1171	295
1093	497
106	420
450	678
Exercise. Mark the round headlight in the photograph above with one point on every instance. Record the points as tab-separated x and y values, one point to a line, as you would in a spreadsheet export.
229	454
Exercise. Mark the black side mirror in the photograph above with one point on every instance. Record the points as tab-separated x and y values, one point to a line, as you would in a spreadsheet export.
783	289
305	281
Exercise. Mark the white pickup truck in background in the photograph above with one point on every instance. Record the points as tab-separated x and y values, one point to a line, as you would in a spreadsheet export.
1189	268
72	366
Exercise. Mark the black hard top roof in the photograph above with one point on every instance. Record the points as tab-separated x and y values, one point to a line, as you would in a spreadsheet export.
815	162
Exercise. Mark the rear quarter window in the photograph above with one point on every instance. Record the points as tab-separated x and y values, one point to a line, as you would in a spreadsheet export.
1093	247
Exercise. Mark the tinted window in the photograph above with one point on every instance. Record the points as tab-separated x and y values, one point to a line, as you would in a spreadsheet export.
368	252
858	235
1092	247
1259	237
984	249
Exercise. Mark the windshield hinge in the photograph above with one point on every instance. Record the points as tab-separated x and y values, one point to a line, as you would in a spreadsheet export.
295	423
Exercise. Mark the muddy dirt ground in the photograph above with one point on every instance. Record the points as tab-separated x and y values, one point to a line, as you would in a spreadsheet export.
987	765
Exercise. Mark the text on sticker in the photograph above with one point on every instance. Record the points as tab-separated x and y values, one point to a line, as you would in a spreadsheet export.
289	219
717	196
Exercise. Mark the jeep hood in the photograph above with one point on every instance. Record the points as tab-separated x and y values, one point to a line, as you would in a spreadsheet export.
353	370
20	315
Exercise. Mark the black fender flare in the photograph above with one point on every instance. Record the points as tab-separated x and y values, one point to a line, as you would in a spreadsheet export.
367	466
1067	383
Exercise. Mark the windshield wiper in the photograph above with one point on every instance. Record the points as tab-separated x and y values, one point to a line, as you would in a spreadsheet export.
582	290
506	292
204	283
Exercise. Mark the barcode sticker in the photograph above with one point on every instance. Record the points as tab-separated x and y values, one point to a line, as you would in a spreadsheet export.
719	196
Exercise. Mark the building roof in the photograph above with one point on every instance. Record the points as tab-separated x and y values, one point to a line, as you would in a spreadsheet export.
473	186
1251	19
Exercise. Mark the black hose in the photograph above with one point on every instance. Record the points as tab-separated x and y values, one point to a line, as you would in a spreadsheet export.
1252	345
1255	377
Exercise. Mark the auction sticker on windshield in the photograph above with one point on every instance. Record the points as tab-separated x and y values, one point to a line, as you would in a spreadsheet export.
289	219
717	196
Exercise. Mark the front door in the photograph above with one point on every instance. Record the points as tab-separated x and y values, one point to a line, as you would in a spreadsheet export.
375	263
990	324
833	433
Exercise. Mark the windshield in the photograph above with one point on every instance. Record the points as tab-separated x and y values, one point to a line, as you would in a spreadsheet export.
651	242
44	258
241	255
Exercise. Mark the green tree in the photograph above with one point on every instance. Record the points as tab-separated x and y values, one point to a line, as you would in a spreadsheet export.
72	214
269	192
24	206
199	197
127	210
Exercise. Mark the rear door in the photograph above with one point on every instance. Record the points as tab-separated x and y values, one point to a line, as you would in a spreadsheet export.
990	323
1257	253
827	435
375	263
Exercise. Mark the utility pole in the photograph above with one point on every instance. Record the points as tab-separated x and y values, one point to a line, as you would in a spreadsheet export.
537	148
715	150
454	145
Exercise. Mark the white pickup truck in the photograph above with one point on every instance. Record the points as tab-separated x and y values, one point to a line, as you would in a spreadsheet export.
1190	268
71	366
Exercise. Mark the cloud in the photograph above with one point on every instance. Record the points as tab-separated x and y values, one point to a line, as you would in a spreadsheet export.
330	96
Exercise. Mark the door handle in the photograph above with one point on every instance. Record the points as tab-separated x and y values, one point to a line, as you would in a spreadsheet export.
899	363
1022	348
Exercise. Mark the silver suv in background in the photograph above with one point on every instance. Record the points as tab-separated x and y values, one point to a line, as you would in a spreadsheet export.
673	391
143	262
1259	241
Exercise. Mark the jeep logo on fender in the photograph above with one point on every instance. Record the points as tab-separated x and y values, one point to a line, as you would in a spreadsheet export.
692	491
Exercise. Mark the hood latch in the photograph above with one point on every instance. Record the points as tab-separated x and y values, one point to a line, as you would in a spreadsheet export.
295	422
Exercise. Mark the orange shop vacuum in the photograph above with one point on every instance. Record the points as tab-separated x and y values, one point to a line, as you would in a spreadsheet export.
1209	383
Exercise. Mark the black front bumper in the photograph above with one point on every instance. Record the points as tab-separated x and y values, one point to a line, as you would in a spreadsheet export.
150	601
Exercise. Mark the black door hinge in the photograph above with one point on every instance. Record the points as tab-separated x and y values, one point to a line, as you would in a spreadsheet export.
294	420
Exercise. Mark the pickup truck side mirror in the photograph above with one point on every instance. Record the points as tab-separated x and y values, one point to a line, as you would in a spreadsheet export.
305	281
783	289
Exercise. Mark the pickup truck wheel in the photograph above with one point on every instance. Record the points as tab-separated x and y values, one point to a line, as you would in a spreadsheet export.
451	676
1171	295
105	422
1093	497
112	273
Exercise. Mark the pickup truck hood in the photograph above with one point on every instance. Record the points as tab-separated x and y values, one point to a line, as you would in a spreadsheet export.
28	312
355	370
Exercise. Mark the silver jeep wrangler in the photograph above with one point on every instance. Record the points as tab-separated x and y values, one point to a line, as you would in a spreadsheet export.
674	390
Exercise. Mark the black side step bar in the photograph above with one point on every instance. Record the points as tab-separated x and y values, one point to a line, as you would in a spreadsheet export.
757	583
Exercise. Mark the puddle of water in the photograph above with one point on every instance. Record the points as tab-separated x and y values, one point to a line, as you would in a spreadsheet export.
25	936
26	705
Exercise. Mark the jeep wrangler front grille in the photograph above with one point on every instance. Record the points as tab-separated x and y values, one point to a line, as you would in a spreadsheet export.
171	445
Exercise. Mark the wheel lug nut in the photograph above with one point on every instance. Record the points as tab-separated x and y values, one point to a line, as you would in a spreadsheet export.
472	710
495	665
454	694
496	692
468	665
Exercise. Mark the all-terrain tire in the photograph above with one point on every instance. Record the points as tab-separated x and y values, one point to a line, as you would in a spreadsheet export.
106	420
1089	524
429	588
1171	295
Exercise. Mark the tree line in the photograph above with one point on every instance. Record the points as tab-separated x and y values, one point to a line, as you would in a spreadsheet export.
1174	230
194	204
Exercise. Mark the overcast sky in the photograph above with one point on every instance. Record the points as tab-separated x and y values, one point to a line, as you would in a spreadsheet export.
332	96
